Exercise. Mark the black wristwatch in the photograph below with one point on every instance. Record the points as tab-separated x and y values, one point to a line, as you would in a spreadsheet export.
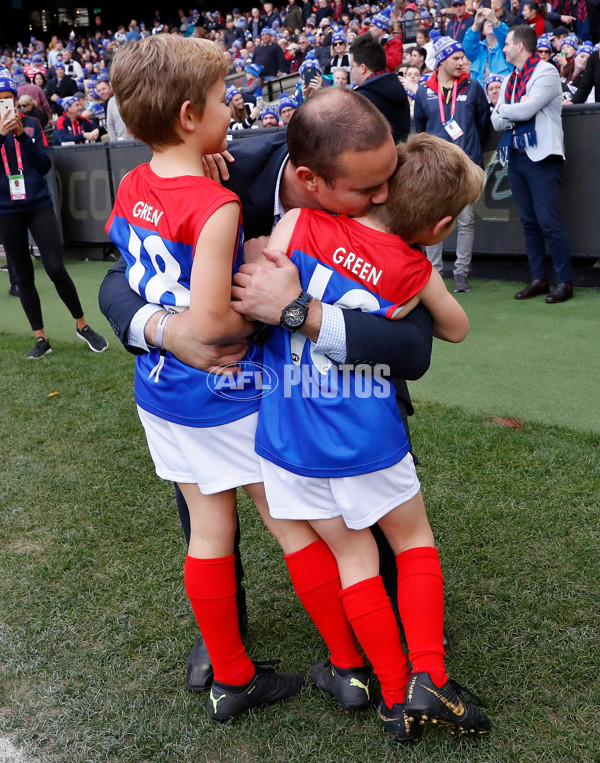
294	315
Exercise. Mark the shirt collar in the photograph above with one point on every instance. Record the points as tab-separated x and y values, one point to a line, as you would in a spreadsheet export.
278	210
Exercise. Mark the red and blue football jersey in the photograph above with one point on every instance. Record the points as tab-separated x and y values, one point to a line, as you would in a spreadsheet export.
321	419
155	224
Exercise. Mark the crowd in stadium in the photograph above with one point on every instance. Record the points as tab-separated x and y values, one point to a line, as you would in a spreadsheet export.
458	69
313	40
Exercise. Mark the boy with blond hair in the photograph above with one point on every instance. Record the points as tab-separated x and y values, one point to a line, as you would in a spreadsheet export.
342	462
180	233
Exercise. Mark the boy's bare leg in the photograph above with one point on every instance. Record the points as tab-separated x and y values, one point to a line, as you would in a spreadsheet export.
315	577
367	605
407	526
212	522
291	534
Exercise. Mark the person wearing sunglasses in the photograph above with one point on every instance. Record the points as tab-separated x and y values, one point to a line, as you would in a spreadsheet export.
26	106
340	55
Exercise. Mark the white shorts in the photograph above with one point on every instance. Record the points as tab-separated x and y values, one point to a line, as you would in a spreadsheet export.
361	500
214	458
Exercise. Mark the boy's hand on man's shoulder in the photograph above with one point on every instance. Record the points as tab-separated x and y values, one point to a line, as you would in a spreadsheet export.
215	166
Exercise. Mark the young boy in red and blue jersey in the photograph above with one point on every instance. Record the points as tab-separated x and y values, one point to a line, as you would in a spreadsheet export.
332	444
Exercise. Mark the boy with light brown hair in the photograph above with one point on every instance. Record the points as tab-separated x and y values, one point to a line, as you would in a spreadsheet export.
180	234
343	462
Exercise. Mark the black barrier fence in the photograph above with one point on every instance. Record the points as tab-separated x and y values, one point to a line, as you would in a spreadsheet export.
87	177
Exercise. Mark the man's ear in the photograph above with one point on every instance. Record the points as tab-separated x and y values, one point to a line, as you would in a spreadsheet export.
441	224
307	177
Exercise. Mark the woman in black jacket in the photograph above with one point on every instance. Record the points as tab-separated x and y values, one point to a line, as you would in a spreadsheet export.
589	79
26	206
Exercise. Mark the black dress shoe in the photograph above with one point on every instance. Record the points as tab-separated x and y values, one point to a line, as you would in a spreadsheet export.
562	293
533	289
199	675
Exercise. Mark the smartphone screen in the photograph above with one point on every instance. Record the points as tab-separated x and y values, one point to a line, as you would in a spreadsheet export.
308	75
7	107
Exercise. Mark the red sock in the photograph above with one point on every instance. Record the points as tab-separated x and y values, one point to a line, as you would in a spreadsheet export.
421	607
316	580
372	618
210	585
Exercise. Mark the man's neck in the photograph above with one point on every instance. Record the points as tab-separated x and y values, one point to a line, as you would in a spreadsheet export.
522	61
446	80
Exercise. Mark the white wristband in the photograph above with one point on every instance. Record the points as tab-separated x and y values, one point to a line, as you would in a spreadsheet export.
160	330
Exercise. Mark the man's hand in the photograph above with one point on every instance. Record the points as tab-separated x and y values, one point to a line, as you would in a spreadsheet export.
262	291
92	135
11	123
215	166
181	342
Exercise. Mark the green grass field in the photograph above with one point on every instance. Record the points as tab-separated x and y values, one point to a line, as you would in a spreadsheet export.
94	624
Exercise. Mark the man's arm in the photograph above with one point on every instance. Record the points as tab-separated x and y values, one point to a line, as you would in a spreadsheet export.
405	346
122	306
119	304
420	110
482	114
543	91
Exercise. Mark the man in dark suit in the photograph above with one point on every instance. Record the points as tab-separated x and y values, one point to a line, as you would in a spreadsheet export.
268	184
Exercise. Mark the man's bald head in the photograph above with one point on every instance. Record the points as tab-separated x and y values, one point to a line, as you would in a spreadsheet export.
330	123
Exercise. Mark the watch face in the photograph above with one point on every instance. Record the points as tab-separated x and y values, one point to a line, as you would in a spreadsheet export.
294	316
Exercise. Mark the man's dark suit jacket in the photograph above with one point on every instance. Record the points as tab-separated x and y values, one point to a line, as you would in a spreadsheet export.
404	345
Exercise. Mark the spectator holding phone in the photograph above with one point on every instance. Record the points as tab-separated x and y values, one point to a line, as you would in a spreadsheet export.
572	76
242	115
311	79
589	79
483	43
26	207
410	80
